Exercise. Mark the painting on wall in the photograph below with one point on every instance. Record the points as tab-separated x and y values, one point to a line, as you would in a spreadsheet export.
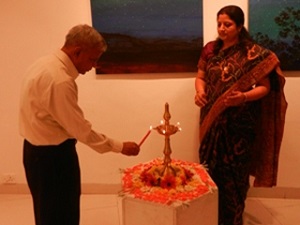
275	24
149	36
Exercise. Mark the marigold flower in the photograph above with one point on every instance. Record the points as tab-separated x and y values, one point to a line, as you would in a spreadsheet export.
183	182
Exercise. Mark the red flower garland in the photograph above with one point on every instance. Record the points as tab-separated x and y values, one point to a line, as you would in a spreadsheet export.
144	181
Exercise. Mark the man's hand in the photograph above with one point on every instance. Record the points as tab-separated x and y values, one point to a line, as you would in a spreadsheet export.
130	148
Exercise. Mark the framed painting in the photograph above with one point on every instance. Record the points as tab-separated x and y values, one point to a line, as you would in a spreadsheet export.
146	36
278	29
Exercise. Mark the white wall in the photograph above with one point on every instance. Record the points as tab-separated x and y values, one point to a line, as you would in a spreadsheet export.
121	106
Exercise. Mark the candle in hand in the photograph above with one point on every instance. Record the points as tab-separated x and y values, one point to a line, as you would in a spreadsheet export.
144	138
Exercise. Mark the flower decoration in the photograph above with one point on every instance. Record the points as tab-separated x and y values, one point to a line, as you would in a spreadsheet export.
180	182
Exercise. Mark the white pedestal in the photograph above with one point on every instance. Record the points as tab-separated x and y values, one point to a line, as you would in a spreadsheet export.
200	211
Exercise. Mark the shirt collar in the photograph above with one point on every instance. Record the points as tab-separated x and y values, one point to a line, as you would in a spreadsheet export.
72	71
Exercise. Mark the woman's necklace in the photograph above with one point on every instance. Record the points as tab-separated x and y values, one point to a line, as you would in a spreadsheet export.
225	74
225	68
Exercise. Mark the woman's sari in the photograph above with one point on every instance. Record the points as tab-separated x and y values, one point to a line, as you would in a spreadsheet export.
237	141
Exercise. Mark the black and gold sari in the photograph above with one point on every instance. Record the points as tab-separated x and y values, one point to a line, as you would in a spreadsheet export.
242	140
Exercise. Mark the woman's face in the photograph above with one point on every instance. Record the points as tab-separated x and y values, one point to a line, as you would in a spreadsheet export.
227	30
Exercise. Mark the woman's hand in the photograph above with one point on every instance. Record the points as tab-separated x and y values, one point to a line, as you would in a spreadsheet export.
235	98
200	98
261	89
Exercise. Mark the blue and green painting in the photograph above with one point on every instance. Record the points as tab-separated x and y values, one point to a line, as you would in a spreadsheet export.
149	36
275	24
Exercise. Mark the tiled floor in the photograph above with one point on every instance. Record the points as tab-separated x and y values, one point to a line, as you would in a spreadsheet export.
106	210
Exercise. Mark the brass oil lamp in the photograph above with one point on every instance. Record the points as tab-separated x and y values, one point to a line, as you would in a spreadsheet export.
166	129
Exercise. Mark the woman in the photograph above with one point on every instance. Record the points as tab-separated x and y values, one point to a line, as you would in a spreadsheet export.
239	88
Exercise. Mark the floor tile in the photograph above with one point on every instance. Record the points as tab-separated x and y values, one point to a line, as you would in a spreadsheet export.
107	210
257	214
286	211
100	209
16	210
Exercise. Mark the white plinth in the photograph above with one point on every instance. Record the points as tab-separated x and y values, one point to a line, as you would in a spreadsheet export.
200	211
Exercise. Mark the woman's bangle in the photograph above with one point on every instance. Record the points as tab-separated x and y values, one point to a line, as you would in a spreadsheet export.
245	97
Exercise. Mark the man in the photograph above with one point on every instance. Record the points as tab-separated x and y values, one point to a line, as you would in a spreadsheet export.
51	123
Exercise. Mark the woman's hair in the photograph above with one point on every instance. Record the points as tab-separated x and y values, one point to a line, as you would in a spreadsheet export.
85	36
236	14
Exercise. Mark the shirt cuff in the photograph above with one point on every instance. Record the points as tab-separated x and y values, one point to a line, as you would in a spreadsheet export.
117	146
